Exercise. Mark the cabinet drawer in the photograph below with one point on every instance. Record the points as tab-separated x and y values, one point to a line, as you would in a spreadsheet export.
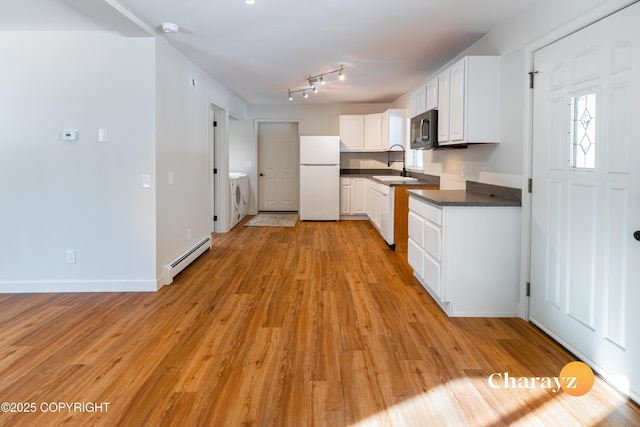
433	214
432	241
432	276
416	229
417	206
415	258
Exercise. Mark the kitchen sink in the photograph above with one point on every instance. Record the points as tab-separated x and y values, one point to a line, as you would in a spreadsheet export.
394	178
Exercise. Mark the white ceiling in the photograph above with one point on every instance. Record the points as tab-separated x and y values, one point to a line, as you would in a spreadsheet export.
387	47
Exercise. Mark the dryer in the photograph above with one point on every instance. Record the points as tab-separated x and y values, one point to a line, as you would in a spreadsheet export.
235	199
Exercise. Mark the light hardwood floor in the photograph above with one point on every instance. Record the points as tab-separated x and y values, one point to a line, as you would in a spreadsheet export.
316	325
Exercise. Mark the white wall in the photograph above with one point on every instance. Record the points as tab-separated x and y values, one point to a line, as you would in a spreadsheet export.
184	150
85	195
88	196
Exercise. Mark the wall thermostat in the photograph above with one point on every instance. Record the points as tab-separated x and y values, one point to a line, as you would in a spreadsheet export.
70	135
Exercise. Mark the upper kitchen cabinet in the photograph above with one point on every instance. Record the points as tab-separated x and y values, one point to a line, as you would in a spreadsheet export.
418	101
424	98
432	94
351	133
372	132
469	101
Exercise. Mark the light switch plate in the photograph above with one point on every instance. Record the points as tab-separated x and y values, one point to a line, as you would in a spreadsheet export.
103	135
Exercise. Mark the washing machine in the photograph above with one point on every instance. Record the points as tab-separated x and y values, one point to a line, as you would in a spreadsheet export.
235	199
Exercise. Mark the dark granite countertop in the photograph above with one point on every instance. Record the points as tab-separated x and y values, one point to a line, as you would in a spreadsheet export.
422	179
476	194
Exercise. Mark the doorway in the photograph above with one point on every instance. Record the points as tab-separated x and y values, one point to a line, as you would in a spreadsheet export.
278	168
219	169
586	196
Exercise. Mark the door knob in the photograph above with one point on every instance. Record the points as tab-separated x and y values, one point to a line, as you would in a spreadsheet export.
636	235
261	174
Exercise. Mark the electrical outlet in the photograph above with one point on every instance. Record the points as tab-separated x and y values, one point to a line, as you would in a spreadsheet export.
71	256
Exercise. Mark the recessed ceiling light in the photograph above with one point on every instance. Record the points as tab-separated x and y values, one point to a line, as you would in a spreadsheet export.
250	1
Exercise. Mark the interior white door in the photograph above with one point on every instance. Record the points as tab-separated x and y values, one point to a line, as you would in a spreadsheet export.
278	170
585	261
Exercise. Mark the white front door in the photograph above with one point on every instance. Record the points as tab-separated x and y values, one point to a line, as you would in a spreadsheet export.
278	166
585	261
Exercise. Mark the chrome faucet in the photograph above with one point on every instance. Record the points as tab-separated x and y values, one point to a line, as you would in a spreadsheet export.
404	170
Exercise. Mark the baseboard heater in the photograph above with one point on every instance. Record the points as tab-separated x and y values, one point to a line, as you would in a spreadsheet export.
184	259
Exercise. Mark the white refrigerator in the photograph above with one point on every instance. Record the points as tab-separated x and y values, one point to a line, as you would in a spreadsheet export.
319	178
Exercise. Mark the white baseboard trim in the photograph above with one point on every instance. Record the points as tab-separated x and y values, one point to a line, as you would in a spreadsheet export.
33	287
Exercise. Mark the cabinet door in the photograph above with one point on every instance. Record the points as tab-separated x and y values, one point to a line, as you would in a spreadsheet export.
345	196
443	107
351	133
415	258
358	196
433	241
373	132
421	100
396	124
456	101
432	94
416	229
412	104
433	276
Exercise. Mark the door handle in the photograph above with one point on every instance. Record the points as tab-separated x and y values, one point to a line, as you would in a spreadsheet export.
636	235
261	174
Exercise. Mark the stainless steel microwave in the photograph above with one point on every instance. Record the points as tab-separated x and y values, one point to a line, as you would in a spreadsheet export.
424	131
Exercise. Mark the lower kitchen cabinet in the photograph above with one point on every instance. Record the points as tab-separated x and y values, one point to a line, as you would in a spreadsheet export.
466	257
353	196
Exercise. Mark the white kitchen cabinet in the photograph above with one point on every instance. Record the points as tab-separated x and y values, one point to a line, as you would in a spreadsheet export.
373	204
443	107
469	101
353	193
359	196
467	257
345	196
386	213
351	132
432	94
372	132
421	100
412	104
394	124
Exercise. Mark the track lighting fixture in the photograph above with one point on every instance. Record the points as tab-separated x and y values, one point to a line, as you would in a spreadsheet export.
315	81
